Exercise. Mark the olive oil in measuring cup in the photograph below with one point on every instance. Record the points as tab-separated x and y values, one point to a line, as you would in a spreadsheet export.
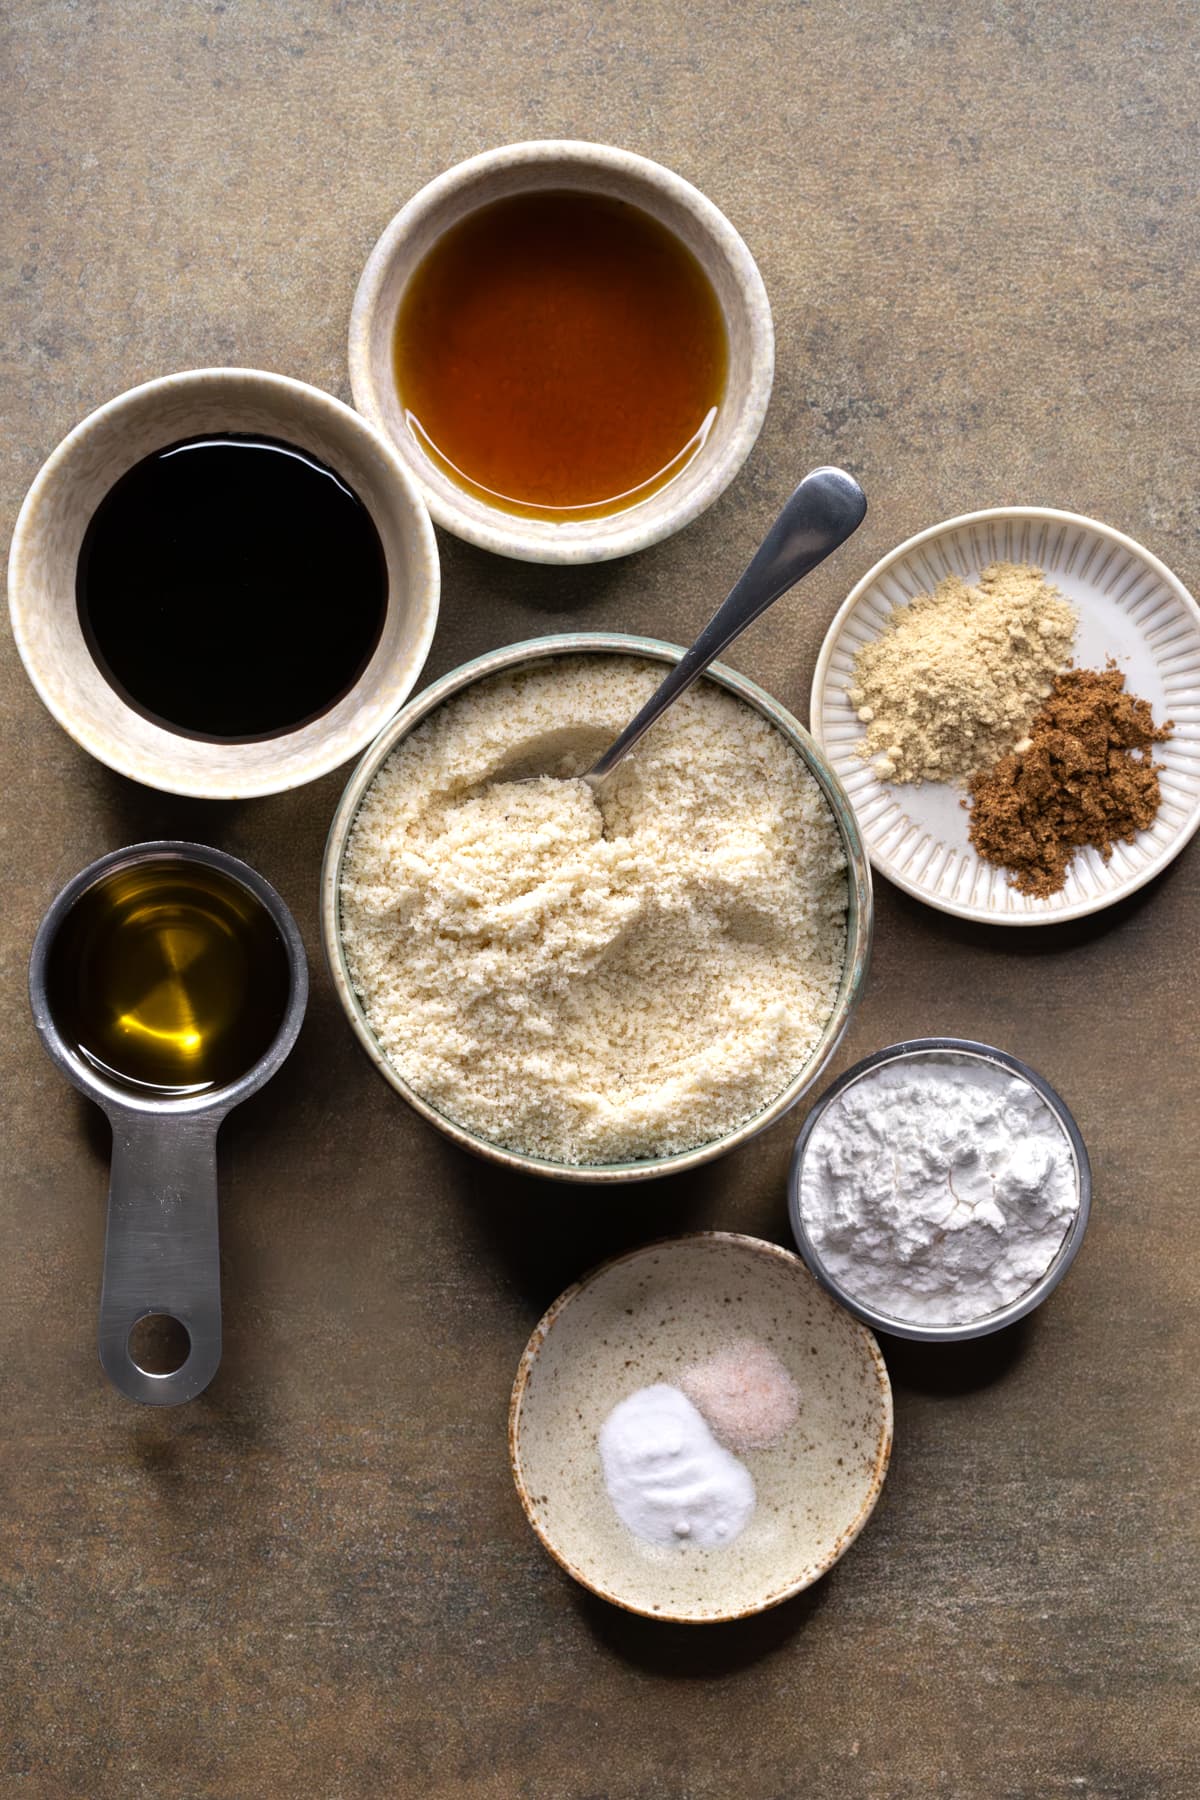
168	983
170	978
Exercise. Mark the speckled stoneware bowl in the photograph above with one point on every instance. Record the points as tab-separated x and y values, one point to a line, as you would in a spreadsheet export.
55	516
643	1318
592	168
517	656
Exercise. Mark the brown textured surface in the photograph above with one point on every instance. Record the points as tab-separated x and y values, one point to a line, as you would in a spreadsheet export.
1087	776
980	240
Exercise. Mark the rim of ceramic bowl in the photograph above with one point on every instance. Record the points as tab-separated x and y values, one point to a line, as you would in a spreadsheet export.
656	518
756	1246
424	600
859	911
1064	1256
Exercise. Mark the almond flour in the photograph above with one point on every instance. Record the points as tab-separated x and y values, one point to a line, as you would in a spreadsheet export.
954	679
595	982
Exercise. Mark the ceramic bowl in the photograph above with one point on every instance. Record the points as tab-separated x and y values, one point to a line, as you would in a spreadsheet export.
1024	1303
539	650
55	516
590	168
1131	608
643	1318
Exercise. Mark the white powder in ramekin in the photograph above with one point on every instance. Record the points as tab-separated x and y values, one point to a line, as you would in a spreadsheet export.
589	981
938	1188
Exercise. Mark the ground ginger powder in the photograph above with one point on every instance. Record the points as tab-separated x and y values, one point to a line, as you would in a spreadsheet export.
595	980
956	676
1084	777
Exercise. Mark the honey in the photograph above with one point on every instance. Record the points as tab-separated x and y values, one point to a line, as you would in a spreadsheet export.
169	978
560	355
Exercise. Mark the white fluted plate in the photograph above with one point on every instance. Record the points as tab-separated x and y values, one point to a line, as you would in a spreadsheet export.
1131	608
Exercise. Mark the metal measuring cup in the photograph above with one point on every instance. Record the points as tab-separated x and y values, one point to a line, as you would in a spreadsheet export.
161	1253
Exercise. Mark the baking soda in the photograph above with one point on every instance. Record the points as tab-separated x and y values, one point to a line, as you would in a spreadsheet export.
669	1480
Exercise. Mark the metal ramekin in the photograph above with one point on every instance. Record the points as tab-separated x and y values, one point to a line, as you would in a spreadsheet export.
1024	1303
536	650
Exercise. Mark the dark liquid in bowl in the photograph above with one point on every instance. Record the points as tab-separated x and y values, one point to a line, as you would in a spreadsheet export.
231	587
560	355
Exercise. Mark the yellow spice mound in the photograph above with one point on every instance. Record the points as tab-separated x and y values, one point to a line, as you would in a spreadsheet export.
954	679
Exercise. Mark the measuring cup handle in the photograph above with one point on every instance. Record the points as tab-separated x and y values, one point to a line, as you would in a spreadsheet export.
161	1252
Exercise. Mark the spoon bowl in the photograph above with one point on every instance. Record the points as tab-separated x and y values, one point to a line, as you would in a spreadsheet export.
826	509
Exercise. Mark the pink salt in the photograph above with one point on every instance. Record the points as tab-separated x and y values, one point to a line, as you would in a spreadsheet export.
745	1394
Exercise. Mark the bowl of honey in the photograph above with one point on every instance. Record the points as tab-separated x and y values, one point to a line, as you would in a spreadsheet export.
223	583
569	347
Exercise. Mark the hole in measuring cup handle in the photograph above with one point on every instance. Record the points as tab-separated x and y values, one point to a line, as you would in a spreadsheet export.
159	1344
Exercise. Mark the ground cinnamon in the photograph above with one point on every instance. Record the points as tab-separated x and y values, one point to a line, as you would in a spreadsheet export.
1082	777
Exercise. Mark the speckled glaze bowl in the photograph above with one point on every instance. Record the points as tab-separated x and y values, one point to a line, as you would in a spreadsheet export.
538	650
591	168
55	516
644	1317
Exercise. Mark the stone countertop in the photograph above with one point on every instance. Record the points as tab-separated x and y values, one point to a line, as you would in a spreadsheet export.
980	236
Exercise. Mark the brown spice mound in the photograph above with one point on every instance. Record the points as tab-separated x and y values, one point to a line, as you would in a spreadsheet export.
1082	777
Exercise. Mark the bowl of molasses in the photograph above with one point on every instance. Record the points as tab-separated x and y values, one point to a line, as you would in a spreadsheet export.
569	347
223	583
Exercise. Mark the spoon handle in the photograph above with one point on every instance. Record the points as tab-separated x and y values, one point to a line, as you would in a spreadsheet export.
826	508
161	1253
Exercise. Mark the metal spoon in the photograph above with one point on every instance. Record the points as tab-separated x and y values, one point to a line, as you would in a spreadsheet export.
826	509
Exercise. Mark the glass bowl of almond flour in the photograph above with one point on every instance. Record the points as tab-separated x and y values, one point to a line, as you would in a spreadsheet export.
595	988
